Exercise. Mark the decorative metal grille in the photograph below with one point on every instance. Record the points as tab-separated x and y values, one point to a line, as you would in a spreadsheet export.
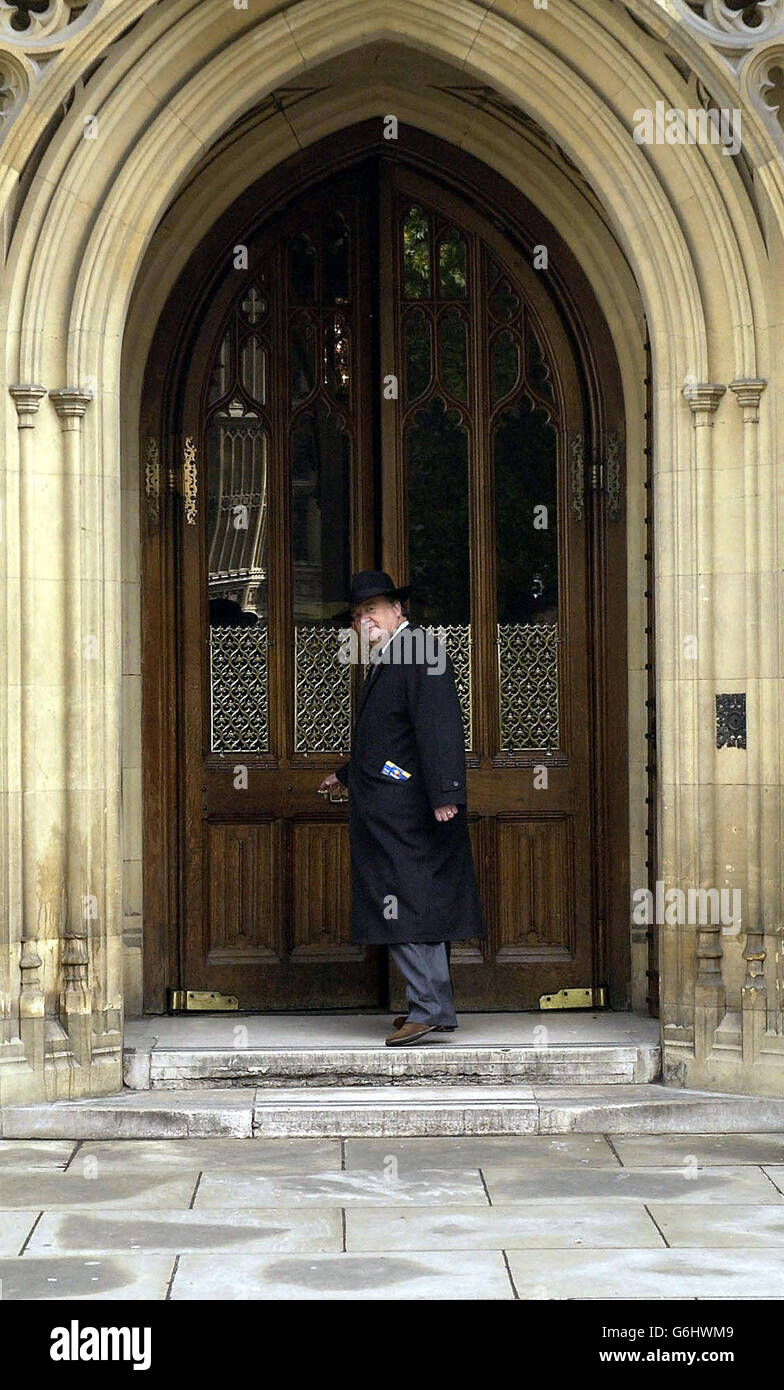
239	689
457	640
190	481
577	476
322	692
528	685
322	708
613	477
731	721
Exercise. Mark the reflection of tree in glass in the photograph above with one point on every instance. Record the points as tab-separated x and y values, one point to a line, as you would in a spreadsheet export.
504	366
437	455
524	452
416	331
416	254
452	260
453	345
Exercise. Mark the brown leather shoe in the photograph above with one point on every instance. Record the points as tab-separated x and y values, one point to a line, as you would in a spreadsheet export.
409	1033
438	1027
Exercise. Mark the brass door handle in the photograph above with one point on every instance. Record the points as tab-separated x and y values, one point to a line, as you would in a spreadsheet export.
334	799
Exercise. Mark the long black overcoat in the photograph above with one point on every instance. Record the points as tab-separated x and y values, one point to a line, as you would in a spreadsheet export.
413	876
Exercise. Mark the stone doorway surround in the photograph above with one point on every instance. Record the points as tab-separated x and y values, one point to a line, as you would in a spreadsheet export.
95	235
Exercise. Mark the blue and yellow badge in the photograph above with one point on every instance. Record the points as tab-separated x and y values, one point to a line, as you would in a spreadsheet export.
392	770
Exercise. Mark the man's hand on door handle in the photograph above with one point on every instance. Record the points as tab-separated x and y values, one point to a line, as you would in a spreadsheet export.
330	784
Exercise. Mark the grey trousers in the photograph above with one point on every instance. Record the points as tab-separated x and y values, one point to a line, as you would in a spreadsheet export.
424	966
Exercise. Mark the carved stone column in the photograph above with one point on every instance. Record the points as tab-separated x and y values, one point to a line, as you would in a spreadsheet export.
758	560
82	647
61	658
23	990
709	989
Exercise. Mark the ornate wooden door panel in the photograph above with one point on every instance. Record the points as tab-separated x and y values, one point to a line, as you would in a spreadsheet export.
387	382
280	509
486	500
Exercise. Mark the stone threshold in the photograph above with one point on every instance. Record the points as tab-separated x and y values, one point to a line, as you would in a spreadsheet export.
292	1050
333	1111
166	1068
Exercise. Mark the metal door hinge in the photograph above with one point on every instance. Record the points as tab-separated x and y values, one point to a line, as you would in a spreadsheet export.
575	999
200	1000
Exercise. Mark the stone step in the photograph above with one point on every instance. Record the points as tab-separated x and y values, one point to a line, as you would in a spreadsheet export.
336	1111
427	1064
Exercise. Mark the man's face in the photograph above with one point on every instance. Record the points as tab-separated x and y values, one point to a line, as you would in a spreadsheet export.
376	619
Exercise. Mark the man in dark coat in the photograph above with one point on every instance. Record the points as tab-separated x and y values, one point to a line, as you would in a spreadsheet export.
414	885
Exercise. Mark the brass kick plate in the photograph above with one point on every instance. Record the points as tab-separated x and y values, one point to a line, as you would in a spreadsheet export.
196	1000
575	999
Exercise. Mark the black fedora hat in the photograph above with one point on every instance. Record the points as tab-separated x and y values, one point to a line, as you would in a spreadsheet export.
371	584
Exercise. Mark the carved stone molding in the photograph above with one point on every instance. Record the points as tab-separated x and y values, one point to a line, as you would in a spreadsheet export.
31	996
749	37
748	392
766	77
733	26
14	87
34	34
25	23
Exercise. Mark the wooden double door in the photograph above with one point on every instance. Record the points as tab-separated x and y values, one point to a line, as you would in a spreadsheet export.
383	379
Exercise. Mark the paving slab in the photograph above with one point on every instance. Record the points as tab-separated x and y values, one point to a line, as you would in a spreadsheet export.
687	1225
655	1109
648	1274
540	1225
425	1277
76	1277
45	1155
671	1150
15	1227
472	1151
339	1189
135	1114
775	1171
712	1184
63	1191
269	1156
228	1233
424	1217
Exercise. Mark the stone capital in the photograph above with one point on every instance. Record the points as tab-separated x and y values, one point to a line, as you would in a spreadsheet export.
703	398
27	400
748	391
71	403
